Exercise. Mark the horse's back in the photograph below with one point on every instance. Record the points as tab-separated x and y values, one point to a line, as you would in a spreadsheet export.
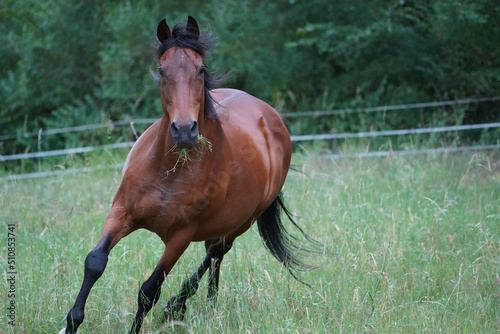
245	113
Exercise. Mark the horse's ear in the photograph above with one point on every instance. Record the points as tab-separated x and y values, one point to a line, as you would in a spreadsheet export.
192	27
163	33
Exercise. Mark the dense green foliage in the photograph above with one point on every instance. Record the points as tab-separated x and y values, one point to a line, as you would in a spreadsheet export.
65	63
414	240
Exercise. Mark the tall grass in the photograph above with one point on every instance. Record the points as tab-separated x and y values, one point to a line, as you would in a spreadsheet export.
412	245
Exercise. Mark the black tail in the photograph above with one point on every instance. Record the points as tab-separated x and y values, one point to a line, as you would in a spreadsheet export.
284	246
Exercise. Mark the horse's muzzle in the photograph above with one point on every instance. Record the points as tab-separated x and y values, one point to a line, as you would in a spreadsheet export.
185	135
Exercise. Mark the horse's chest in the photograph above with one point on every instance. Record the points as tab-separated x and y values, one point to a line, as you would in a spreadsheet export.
155	207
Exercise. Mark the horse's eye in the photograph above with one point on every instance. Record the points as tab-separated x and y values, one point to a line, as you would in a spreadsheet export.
161	72
201	70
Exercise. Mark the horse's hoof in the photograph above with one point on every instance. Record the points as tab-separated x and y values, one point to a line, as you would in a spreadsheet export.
174	310
63	331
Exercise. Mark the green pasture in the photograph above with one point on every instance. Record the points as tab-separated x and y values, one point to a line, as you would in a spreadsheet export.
412	245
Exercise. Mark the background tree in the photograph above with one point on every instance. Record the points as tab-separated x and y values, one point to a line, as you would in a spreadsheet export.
74	62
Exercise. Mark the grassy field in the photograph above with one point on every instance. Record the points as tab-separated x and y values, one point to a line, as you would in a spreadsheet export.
414	246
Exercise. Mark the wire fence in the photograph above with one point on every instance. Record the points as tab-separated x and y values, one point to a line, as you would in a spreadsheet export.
67	151
79	128
390	108
329	136
402	107
302	138
408	152
376	154
60	172
388	133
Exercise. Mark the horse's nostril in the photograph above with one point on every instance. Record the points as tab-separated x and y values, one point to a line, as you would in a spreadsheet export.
174	129
194	129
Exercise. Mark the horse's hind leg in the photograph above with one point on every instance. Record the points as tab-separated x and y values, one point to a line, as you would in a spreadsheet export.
216	249
213	278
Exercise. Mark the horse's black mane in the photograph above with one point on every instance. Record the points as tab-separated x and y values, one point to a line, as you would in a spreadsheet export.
202	45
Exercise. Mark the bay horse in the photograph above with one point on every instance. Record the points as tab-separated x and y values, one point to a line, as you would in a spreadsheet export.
206	171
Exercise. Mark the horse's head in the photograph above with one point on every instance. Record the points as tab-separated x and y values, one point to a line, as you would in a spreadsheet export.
184	88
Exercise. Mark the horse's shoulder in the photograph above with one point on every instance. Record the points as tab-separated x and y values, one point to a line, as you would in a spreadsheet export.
144	141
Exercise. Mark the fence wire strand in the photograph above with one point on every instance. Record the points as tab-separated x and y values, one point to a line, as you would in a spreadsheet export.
378	154
89	127
331	136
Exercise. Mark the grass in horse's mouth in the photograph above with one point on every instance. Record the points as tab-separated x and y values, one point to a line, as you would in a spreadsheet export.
187	155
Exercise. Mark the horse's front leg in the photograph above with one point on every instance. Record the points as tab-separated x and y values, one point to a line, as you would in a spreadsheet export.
95	263
150	290
114	229
216	248
176	306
